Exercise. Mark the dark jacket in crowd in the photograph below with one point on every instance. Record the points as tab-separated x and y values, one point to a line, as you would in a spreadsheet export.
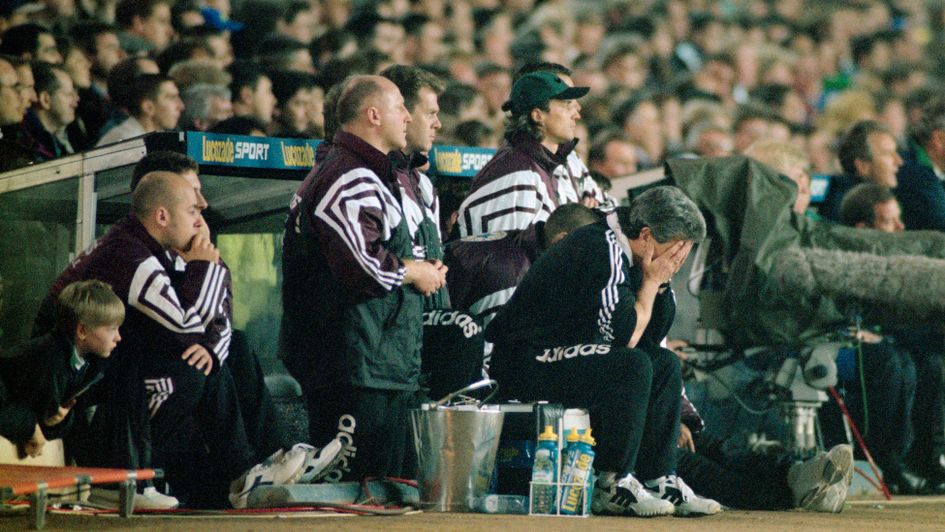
920	191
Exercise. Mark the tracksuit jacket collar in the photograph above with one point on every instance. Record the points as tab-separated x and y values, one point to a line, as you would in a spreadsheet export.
547	160
375	160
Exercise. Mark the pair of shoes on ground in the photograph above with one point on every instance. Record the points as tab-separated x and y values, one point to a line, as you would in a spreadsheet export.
667	495
149	499
302	463
820	484
921	477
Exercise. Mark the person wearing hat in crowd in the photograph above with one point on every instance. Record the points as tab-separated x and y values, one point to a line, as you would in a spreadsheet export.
518	187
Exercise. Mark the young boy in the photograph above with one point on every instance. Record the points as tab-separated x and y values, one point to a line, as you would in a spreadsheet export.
45	377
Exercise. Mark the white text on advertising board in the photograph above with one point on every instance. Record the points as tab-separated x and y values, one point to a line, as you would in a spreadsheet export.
227	151
303	156
475	161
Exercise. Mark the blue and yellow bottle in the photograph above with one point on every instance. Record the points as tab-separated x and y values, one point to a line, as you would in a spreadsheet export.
579	470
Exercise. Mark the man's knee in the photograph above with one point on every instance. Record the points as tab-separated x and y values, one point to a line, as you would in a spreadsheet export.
667	361
630	365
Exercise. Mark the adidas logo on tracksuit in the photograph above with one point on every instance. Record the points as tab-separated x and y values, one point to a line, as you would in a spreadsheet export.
555	354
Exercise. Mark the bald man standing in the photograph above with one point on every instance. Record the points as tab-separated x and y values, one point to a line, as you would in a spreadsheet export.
352	291
162	373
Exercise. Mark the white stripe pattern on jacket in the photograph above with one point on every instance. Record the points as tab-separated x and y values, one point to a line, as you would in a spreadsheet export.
153	295
352	194
514	201
609	294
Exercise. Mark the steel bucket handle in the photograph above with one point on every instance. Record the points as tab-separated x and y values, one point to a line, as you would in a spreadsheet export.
472	387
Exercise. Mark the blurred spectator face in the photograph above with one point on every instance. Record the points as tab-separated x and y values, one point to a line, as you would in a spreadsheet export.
301	28
746	65
301	61
220	109
294	113
894	117
462	70
79	68
46	49
644	128
558	124
63	8
793	108
887	217
723	78
430	46
620	159
11	108
495	88
497	39
748	132
629	71
263	101
59	106
316	108
108	53
820	153
714	143
27	86
881	169
424	122
389	40
221	50
778	73
589	35
779	131
156	28
593	79
167	106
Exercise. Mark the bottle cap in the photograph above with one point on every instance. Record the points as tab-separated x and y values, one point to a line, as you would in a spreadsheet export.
573	436
587	438
548	434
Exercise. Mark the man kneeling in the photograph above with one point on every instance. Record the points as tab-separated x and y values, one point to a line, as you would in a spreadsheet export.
584	328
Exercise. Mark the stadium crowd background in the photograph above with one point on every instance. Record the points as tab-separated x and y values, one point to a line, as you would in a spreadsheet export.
666	77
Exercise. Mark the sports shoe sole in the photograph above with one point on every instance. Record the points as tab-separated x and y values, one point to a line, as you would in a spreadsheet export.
339	456
601	509
839	468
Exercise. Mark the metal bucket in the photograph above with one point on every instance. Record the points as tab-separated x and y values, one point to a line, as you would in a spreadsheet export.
456	448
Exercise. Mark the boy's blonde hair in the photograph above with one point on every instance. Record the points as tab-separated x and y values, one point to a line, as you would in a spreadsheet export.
91	303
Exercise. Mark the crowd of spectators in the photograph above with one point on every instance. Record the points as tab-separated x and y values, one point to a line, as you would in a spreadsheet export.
667	77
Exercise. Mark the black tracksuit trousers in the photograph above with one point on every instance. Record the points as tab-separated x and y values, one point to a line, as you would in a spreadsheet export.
744	480
632	395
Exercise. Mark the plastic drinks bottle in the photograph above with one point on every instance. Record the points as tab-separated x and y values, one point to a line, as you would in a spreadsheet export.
545	472
580	462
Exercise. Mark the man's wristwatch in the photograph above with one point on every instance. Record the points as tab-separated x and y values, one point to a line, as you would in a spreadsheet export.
664	285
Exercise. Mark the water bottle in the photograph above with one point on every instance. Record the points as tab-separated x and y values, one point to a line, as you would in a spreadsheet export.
545	472
494	503
580	462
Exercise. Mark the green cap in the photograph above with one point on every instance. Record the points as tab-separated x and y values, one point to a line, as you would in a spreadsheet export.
535	89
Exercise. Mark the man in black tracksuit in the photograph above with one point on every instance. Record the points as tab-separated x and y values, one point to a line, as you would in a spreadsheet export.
584	327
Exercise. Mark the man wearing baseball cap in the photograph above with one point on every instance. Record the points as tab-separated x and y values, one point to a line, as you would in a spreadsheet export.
517	188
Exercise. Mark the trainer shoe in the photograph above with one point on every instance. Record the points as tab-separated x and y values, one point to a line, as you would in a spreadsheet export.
281	468
626	497
318	462
149	499
672	488
810	480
